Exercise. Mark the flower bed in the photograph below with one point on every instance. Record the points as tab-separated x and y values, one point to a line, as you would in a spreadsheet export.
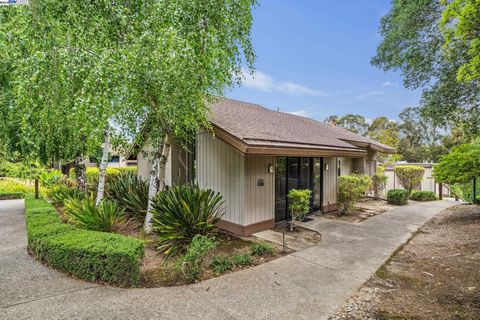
11	195
89	255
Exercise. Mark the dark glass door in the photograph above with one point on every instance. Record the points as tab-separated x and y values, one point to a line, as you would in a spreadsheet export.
296	173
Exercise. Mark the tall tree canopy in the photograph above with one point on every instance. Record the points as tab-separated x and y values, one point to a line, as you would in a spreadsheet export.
435	45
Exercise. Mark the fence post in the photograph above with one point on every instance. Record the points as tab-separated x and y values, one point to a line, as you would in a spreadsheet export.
474	190
440	191
36	188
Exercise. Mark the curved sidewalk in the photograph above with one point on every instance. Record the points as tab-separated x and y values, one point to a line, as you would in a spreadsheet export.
309	284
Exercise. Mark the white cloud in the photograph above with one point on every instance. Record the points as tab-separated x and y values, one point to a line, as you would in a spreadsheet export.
301	113
389	84
265	82
367	95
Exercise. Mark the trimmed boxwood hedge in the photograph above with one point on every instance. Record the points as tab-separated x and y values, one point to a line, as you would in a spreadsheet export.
398	196
11	195
89	255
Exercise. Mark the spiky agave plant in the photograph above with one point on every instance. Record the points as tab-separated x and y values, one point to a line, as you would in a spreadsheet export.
182	212
106	216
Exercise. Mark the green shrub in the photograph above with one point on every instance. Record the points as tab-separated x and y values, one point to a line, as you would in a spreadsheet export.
11	195
89	255
106	216
129	192
12	186
423	195
132	169
261	248
398	196
351	189
477	200
221	264
379	181
182	212
242	259
298	204
20	170
48	178
409	176
60	193
193	262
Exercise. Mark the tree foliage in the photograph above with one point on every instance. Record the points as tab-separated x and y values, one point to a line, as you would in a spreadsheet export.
432	42
461	165
299	204
351	189
409	176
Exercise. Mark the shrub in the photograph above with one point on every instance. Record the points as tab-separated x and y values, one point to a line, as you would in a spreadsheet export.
299	204
477	200
60	193
351	189
261	248
221	264
193	262
106	216
182	212
12	186
423	195
409	176
89	255
48	178
379	181
398	196
11	195
129	192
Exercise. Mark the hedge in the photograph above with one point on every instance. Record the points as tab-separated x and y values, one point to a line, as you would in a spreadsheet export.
11	195
418	195
398	196
88	255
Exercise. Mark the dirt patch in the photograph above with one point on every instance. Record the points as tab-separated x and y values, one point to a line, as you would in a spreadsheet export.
435	276
156	272
363	210
303	234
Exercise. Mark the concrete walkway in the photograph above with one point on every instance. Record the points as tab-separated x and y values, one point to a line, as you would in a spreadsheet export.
309	284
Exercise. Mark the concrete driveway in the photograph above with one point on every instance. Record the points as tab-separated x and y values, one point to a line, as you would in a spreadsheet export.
309	284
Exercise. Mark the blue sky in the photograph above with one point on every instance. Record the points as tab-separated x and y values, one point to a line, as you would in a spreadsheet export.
313	59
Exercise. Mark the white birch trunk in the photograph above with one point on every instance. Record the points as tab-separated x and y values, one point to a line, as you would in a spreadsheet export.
103	166
157	181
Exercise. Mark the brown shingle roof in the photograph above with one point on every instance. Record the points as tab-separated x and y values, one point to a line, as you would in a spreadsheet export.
255	125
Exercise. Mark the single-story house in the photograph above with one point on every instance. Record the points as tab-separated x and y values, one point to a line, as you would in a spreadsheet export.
256	155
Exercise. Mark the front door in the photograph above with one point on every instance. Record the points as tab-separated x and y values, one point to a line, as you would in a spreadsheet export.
296	173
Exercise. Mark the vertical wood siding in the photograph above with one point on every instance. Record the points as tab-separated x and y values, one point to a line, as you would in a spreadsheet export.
259	200
330	181
221	168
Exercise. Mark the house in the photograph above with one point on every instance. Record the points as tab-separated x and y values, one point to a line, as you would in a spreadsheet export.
115	159
257	155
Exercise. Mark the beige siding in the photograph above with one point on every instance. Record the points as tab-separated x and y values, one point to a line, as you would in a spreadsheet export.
222	168
144	164
259	200
346	166
330	181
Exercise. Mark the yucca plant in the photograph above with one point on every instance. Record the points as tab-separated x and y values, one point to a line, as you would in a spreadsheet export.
129	192
106	216
60	193
182	212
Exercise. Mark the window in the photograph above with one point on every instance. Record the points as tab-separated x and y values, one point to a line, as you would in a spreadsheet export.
115	159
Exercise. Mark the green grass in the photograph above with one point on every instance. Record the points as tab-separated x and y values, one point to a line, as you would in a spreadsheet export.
261	248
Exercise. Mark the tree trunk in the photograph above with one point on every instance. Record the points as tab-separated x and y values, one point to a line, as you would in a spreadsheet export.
157	180
80	172
103	165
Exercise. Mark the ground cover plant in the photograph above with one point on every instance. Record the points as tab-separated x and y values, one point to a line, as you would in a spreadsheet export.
11	195
86	254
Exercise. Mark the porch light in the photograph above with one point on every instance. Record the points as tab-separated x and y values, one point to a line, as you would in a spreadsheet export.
326	167
271	168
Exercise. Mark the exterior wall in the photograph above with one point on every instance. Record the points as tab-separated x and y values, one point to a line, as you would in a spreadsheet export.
346	165
259	200
221	168
330	184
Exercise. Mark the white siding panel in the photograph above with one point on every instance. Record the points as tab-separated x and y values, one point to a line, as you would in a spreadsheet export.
330	181
259	200
220	167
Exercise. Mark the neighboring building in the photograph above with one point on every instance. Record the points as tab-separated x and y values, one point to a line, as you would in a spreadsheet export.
257	155
428	182
116	160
